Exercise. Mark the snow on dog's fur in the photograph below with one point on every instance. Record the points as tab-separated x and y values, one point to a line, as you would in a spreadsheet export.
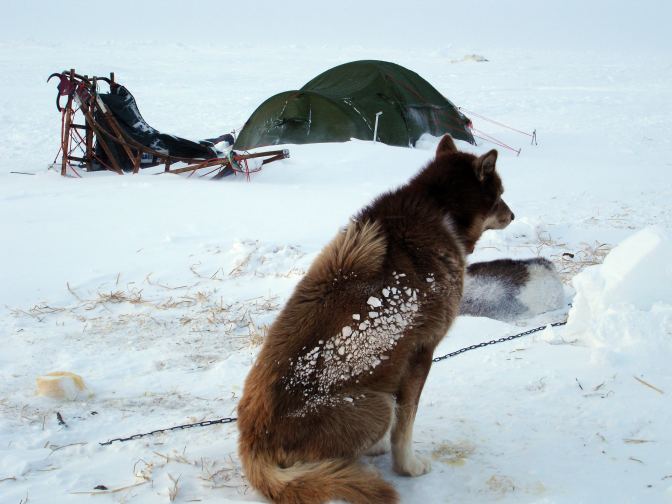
347	358
508	289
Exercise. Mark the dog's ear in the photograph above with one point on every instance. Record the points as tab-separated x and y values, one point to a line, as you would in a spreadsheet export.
485	164
446	146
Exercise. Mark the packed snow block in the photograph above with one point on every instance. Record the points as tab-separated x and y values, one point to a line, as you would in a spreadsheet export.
636	275
61	385
639	271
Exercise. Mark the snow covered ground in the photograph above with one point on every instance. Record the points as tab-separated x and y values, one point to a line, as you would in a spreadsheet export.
157	290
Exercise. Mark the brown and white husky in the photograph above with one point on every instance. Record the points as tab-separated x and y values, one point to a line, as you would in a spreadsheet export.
345	361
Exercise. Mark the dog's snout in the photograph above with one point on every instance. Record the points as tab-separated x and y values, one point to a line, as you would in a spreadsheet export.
513	216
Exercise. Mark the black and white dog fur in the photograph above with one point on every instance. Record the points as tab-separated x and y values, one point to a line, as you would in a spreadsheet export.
508	289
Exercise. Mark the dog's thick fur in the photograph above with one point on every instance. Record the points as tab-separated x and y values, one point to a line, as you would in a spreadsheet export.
509	289
347	358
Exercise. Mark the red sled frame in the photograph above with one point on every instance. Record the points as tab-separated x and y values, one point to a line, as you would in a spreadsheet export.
78	139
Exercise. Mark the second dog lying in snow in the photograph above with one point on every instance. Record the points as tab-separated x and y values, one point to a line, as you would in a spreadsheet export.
508	289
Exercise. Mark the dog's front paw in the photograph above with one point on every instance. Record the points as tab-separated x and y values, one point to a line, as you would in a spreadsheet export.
413	465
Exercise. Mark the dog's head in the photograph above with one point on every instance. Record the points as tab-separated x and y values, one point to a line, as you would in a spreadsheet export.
469	190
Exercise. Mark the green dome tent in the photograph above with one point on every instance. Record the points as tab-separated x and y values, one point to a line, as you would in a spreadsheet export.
342	103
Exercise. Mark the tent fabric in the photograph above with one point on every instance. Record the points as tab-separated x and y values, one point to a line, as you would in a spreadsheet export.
342	103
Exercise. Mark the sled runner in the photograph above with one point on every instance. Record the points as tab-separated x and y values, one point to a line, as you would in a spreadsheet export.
105	131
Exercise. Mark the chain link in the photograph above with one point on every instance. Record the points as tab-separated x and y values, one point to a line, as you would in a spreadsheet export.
494	342
227	420
204	423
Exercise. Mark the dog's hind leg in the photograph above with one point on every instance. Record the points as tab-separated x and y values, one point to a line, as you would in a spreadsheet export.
384	444
344	430
314	458
405	461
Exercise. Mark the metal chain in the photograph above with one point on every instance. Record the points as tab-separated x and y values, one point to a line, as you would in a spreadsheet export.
227	420
494	342
204	423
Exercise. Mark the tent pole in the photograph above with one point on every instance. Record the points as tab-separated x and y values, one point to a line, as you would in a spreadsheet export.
375	128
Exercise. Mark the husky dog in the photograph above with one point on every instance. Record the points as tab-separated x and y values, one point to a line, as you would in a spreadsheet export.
508	289
345	361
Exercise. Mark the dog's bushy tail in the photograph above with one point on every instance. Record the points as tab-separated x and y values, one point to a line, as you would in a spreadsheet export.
360	248
317	482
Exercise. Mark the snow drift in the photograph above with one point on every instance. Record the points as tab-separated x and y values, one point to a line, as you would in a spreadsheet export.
621	303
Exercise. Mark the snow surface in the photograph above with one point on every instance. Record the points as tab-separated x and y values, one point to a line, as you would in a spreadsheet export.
157	290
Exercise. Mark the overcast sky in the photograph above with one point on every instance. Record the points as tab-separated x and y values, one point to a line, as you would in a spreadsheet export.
478	25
